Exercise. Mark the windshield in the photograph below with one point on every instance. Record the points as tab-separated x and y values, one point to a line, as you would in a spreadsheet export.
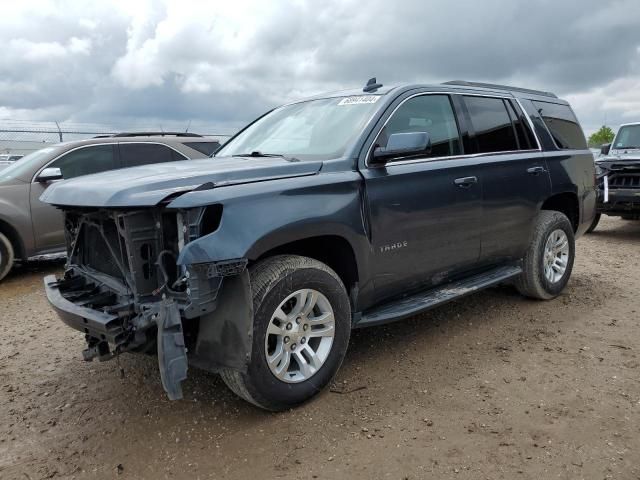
628	137
24	167
312	130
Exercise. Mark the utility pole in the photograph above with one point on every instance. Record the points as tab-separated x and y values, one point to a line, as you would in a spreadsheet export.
59	130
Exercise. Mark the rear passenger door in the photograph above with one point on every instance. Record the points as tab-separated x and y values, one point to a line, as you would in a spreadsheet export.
515	180
137	154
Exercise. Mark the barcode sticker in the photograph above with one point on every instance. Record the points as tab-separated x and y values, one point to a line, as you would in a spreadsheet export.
359	100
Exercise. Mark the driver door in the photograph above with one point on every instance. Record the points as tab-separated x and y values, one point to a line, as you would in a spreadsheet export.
425	210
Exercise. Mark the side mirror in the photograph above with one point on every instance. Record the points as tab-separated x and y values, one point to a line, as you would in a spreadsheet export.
604	149
401	144
49	174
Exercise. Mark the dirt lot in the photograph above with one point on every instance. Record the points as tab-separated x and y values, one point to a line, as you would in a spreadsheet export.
491	386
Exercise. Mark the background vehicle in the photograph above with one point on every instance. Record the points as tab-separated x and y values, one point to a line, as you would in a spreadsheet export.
8	159
345	210
618	171
31	229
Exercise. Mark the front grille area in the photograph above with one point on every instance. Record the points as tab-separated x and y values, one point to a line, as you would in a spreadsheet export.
136	248
95	252
624	181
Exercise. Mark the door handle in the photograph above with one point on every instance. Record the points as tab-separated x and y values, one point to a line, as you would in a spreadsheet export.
465	182
535	170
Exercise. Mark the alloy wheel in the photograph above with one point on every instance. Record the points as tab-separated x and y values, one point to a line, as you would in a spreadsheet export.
556	256
299	336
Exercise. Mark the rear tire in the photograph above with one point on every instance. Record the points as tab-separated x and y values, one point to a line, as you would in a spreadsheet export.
294	358
548	263
7	256
594	224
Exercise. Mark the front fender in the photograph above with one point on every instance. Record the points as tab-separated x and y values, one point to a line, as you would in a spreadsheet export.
261	216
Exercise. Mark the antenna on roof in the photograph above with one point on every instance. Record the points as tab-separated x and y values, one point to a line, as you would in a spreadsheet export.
372	85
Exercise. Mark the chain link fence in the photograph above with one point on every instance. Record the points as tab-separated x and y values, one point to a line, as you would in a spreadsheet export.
22	137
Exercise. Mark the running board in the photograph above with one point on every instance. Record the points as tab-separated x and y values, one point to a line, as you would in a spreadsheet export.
414	304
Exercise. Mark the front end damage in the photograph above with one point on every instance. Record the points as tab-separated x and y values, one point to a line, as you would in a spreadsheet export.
618	187
126	289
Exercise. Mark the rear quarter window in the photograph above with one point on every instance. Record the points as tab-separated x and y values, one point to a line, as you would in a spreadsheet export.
562	125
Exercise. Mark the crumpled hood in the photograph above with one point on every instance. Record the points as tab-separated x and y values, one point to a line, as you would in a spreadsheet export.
148	185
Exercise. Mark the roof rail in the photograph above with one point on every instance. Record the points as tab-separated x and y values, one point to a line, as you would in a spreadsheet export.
156	134
463	83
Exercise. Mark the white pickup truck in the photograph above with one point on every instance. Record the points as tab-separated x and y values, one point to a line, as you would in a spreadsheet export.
618	172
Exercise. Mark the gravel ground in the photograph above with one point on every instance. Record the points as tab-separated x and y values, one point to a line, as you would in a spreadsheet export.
490	386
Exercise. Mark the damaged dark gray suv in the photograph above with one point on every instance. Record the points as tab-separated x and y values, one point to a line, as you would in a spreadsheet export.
345	210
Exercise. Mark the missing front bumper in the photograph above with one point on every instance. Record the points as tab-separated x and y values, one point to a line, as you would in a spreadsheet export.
221	337
100	325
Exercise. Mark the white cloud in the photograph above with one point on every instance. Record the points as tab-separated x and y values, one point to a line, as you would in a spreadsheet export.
36	51
80	46
614	103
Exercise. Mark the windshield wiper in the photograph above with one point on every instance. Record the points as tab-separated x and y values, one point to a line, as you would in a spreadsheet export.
256	153
260	154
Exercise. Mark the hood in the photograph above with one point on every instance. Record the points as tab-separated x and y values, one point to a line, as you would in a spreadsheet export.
628	159
622	154
148	185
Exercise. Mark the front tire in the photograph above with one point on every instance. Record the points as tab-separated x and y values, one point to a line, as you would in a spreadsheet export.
7	256
548	263
301	328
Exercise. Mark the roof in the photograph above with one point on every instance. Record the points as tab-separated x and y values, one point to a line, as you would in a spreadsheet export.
151	134
451	86
493	86
138	139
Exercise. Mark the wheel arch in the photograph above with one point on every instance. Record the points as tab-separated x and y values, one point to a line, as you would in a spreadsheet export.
335	251
566	203
12	234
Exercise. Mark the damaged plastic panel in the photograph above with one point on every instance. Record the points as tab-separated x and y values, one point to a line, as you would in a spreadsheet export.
124	289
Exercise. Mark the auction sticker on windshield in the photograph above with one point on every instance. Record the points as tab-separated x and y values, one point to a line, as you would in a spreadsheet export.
359	100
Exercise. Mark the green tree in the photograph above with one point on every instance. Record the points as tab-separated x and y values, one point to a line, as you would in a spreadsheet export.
602	136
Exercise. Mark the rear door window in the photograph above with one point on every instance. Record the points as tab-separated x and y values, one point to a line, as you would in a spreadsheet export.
562	124
136	154
86	160
492	125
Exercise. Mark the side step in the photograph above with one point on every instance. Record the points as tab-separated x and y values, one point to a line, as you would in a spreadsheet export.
419	302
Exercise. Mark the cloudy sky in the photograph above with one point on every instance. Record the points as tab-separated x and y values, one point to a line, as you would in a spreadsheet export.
218	64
